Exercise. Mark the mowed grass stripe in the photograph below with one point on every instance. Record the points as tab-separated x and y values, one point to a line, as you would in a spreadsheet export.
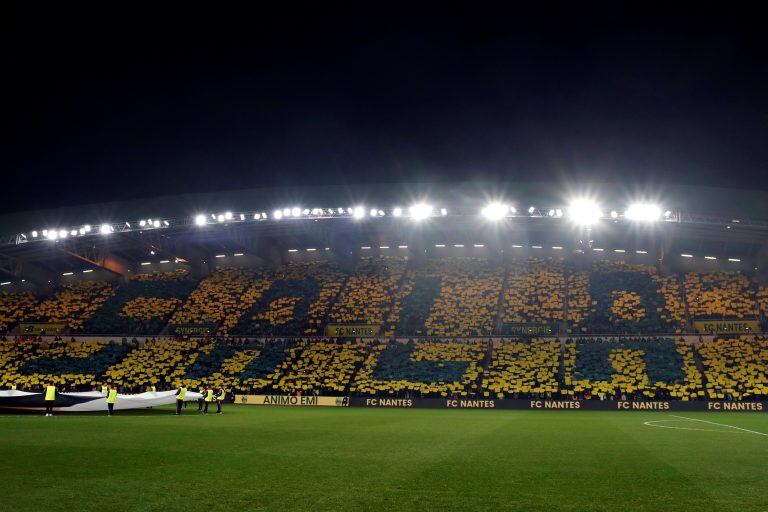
280	458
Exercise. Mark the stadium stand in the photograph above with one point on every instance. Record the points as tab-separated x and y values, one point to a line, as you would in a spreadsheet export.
297	301
222	298
523	368
579	301
369	291
143	306
736	369
71	364
160	363
320	366
15	308
468	300
632	367
727	295
535	291
630	299
74	303
421	368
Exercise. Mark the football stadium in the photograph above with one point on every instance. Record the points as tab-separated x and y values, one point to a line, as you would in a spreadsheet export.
413	347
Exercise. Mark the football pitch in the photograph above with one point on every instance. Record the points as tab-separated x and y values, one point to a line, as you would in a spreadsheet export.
348	459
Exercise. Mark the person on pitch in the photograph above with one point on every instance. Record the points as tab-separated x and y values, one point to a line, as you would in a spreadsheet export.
180	394
111	399
201	400
50	399
221	395
208	399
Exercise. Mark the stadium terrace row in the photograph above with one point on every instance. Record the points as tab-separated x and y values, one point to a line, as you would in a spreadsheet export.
437	297
619	368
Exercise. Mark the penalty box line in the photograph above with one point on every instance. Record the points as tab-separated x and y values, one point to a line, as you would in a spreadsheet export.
720	425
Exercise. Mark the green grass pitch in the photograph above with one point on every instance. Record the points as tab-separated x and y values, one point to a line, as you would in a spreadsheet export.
344	459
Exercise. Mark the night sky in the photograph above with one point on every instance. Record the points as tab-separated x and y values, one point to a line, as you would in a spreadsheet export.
130	100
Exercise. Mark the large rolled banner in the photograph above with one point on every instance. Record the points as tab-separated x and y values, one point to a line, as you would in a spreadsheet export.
89	401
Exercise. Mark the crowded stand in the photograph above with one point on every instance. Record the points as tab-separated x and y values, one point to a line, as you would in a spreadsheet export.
523	368
535	291
736	368
369	291
222	298
421	368
159	363
15	308
469	296
636	368
142	306
70	364
73	303
631	298
727	295
296	302
320	366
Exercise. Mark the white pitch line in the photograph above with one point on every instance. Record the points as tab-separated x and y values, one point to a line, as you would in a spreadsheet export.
655	423
720	425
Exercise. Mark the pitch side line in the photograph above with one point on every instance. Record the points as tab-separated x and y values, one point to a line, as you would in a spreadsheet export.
720	425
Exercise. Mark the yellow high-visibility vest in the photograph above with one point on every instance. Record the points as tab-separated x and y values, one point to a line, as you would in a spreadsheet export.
112	397
209	395
223	395
104	390
50	393
154	389
182	393
13	387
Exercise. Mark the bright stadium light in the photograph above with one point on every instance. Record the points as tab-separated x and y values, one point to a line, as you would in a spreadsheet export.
200	220
295	211
105	229
34	234
420	211
643	212
358	212
584	212
495	211
142	223
277	214
397	212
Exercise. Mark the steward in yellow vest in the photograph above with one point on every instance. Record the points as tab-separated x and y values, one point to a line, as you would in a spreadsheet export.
180	394
50	399
111	399
220	397
104	390
13	387
208	399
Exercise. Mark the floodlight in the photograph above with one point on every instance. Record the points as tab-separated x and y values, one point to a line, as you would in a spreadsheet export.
296	211
584	212
286	212
305	211
34	234
531	210
614	214
228	215
358	212
420	211
374	212
643	212
397	212
495	211
105	229
200	220
62	233
277	214
443	211
156	223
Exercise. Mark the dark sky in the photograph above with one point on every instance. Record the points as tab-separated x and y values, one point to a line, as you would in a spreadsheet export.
107	102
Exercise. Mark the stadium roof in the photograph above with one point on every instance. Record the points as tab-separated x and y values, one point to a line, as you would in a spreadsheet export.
723	223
